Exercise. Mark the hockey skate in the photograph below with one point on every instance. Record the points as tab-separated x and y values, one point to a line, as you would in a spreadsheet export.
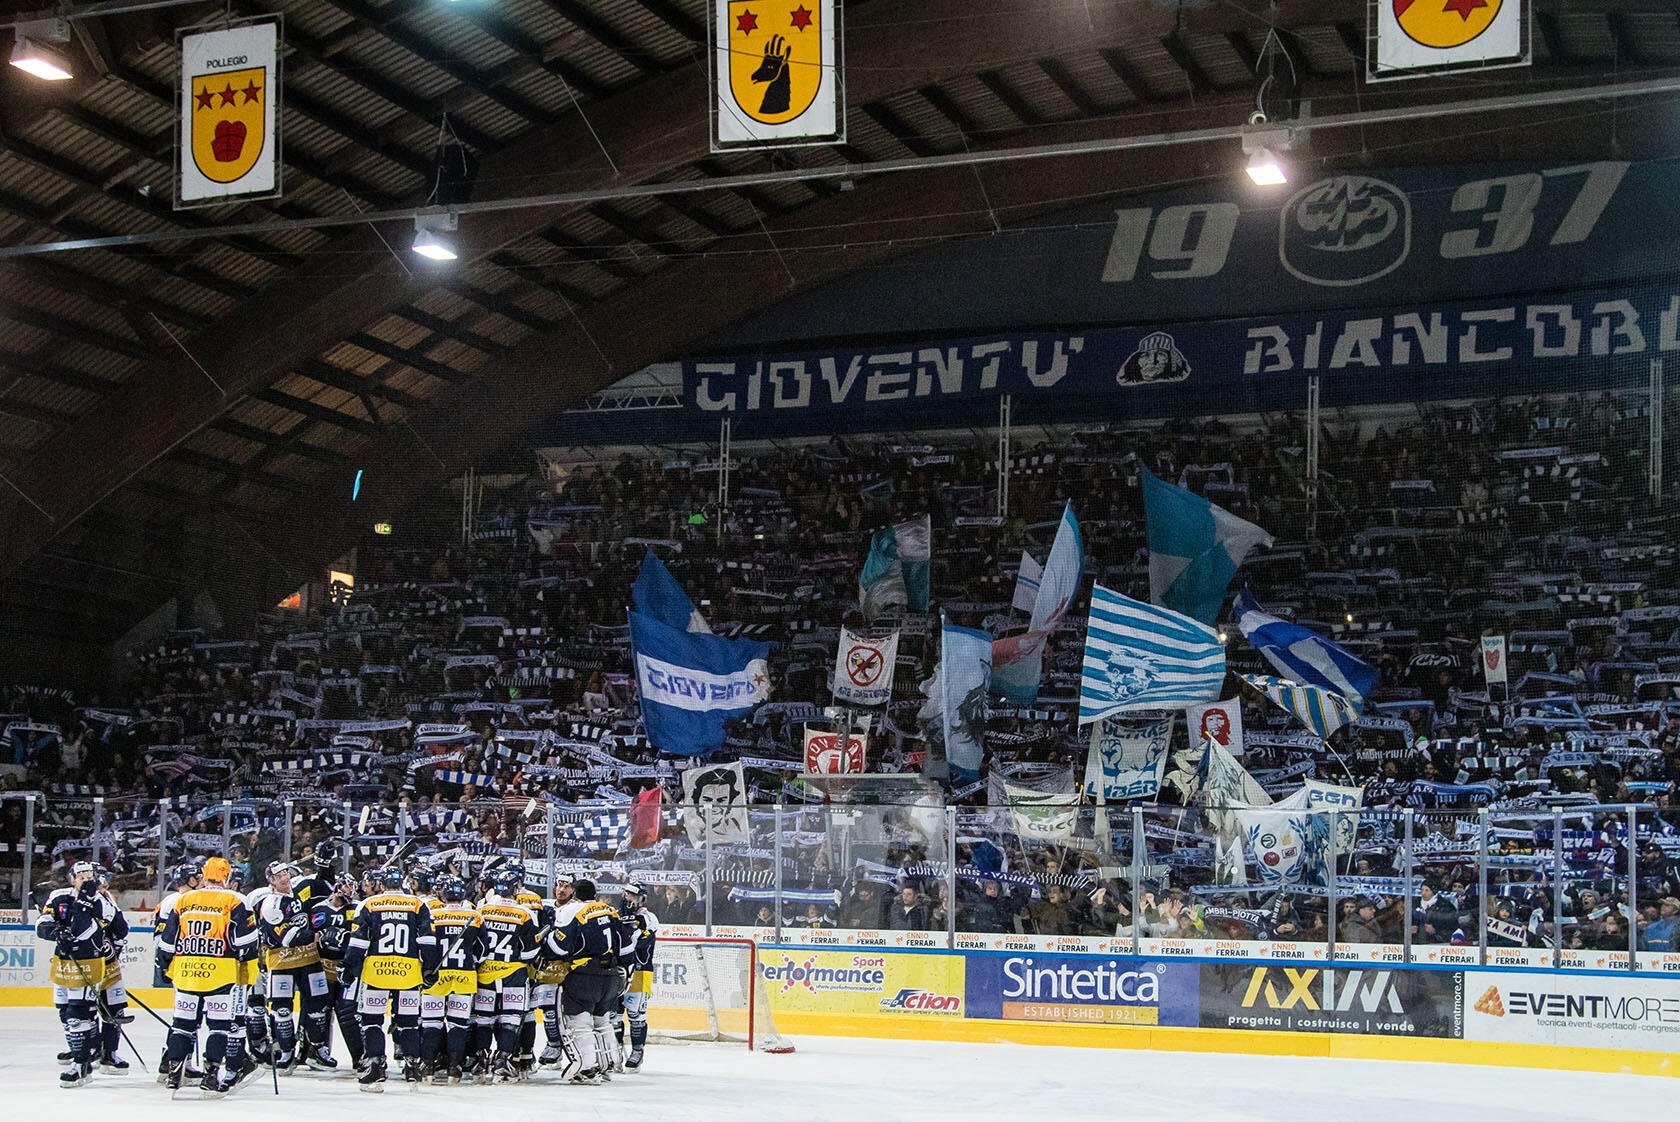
414	1073
501	1069
113	1065
633	1062
170	1075
317	1058
588	1078
373	1079
550	1055
75	1075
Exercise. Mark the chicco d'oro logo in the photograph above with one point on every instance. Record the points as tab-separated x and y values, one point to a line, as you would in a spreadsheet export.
1345	230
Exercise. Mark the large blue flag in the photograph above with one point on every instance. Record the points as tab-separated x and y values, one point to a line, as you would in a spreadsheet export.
1194	548
1139	656
1018	660
691	684
658	594
1304	656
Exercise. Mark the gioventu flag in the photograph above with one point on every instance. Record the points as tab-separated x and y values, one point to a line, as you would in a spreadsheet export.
1304	656
691	684
1139	656
897	572
1195	548
1018	660
658	594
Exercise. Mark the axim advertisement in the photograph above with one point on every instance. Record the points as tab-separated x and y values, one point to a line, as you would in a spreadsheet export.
1587	1011
1316	999
1088	989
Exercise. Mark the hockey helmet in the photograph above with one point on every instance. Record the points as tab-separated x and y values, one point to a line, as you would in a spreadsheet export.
390	877
422	879
450	889
635	893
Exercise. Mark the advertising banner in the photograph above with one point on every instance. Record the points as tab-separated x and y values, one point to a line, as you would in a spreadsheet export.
1318	999
846	983
1072	989
1584	1011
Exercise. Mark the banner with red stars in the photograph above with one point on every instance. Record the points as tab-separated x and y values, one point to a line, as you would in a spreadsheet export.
228	138
776	73
1415	38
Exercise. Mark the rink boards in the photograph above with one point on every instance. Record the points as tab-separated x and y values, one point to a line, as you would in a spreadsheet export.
1033	992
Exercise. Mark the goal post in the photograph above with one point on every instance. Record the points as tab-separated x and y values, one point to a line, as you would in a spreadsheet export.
711	989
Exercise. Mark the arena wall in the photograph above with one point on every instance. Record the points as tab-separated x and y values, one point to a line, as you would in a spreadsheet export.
1165	999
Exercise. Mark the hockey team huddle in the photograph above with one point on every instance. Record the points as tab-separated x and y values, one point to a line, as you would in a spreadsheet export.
460	970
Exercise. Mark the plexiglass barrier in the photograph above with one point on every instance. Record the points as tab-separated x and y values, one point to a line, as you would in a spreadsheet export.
1582	887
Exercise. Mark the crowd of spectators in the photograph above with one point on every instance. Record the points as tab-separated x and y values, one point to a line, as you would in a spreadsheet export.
472	692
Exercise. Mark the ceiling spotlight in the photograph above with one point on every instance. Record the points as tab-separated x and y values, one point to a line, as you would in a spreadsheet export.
31	54
432	230
1266	169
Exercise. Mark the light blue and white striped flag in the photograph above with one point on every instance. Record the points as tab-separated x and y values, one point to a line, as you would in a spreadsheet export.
1321	710
1139	656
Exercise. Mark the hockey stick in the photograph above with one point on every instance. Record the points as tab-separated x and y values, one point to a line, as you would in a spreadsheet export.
274	1046
167	1027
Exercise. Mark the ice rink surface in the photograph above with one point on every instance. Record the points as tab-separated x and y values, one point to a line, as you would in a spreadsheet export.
832	1079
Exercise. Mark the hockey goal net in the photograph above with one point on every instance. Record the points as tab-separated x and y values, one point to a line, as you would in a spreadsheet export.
711	989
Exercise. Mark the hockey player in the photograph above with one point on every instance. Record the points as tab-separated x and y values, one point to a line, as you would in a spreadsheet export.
207	942
509	946
446	1006
293	967
587	936
183	878
113	995
542	989
393	955
550	973
330	917
256	997
638	962
323	865
71	920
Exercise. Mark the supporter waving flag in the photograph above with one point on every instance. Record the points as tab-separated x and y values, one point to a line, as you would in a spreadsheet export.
1304	656
691	684
1194	548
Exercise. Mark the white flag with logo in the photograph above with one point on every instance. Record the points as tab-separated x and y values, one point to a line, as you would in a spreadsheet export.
1494	653
1027	579
1419	37
1218	721
863	669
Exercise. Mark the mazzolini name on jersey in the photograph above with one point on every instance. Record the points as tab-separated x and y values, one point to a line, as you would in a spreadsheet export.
1492	341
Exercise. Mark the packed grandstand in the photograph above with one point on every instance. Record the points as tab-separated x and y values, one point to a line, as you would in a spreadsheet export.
469	692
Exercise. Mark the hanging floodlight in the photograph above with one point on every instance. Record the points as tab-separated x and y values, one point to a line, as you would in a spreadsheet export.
1275	102
432	235
32	55
1265	168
